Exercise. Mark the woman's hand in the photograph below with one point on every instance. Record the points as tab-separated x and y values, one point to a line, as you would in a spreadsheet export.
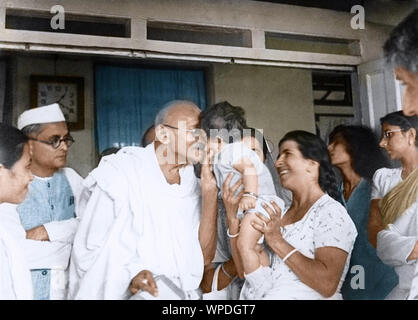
271	228
230	200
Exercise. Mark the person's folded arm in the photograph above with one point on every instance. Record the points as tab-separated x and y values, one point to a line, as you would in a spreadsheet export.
62	231
396	245
334	235
46	255
322	273
394	249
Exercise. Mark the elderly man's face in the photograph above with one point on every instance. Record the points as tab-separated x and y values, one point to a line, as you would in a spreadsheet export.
410	97
44	155
186	140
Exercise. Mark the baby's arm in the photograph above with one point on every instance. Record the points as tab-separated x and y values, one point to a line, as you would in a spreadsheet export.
250	182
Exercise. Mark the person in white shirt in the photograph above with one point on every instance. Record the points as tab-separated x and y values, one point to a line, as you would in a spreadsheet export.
143	216
312	240
50	210
15	176
392	227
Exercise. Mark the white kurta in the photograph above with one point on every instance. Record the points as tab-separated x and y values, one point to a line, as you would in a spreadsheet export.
396	243
19	255
133	221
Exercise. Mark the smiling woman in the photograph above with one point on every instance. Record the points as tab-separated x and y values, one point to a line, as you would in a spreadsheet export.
311	241
15	172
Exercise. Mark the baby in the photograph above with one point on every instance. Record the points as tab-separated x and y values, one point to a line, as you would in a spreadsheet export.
245	159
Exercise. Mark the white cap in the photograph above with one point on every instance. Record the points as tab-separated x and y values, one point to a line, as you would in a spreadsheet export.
45	114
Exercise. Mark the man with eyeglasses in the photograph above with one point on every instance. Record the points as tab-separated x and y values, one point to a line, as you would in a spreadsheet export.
48	213
147	218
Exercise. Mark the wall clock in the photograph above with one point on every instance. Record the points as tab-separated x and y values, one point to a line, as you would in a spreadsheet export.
68	92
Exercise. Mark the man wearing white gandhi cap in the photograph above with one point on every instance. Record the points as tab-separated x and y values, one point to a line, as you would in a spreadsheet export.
50	210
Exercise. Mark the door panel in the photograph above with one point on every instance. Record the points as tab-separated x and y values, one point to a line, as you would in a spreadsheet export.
379	92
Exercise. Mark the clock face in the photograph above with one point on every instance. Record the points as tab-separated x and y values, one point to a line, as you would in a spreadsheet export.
65	94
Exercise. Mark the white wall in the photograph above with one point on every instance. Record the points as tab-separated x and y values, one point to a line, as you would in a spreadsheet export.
388	12
276	100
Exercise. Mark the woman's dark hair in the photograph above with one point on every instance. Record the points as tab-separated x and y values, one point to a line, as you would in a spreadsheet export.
397	118
313	148
12	142
256	134
363	147
229	120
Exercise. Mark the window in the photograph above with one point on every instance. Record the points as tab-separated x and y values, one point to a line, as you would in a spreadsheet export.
293	42
198	34
76	24
332	99
332	89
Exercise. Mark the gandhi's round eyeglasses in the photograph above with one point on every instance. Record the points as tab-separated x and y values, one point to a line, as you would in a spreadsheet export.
195	132
55	141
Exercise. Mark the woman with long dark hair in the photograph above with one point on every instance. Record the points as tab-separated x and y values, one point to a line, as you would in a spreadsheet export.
311	242
355	151
15	176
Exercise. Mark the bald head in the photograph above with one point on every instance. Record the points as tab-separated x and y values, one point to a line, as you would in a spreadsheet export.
175	110
175	131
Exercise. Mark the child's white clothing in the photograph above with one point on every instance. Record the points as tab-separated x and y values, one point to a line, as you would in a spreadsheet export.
224	164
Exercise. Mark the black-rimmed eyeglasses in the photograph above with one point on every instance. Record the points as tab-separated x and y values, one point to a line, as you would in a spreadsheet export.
55	141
